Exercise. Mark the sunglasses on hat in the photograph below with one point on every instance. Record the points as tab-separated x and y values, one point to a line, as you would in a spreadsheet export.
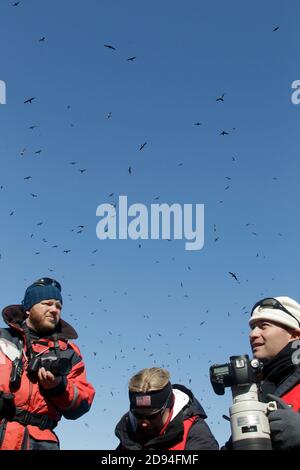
151	416
272	303
47	281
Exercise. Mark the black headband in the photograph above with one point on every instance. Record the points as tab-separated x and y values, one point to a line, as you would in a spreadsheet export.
155	399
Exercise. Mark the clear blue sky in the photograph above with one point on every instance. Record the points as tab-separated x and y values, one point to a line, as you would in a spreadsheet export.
138	307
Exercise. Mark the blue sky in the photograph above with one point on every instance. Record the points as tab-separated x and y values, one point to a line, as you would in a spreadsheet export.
138	307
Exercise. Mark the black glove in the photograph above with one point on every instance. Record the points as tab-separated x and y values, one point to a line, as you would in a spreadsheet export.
284	426
228	445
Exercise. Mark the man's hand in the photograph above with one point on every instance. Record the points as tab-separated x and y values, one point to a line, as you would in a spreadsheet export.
47	380
285	429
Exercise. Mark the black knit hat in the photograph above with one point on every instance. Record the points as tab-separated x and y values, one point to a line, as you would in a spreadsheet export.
43	289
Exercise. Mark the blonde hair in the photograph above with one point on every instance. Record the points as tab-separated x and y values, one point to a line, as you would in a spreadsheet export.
149	380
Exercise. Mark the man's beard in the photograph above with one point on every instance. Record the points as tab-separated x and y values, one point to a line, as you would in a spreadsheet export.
40	327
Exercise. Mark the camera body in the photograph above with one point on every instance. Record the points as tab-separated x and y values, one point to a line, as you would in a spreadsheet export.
248	416
58	366
238	372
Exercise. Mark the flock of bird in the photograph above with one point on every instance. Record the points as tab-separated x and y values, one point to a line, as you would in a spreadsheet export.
121	354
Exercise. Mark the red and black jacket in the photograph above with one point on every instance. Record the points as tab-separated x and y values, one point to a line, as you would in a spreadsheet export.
37	411
281	377
187	431
289	390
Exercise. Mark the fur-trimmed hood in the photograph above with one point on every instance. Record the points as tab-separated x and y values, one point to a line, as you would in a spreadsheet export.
14	316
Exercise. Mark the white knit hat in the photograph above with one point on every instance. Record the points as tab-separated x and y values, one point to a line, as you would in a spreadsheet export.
267	309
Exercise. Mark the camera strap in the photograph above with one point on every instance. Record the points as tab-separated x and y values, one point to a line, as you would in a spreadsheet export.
41	352
29	351
56	346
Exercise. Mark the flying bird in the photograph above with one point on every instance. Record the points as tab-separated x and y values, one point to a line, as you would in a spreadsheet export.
33	195
131	58
197	123
143	145
37	152
221	98
27	177
109	46
234	276
29	100
224	133
276	28
42	39
82	171
130	170
16	4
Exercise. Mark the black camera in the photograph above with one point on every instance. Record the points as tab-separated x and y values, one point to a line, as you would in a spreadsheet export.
239	371
56	365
